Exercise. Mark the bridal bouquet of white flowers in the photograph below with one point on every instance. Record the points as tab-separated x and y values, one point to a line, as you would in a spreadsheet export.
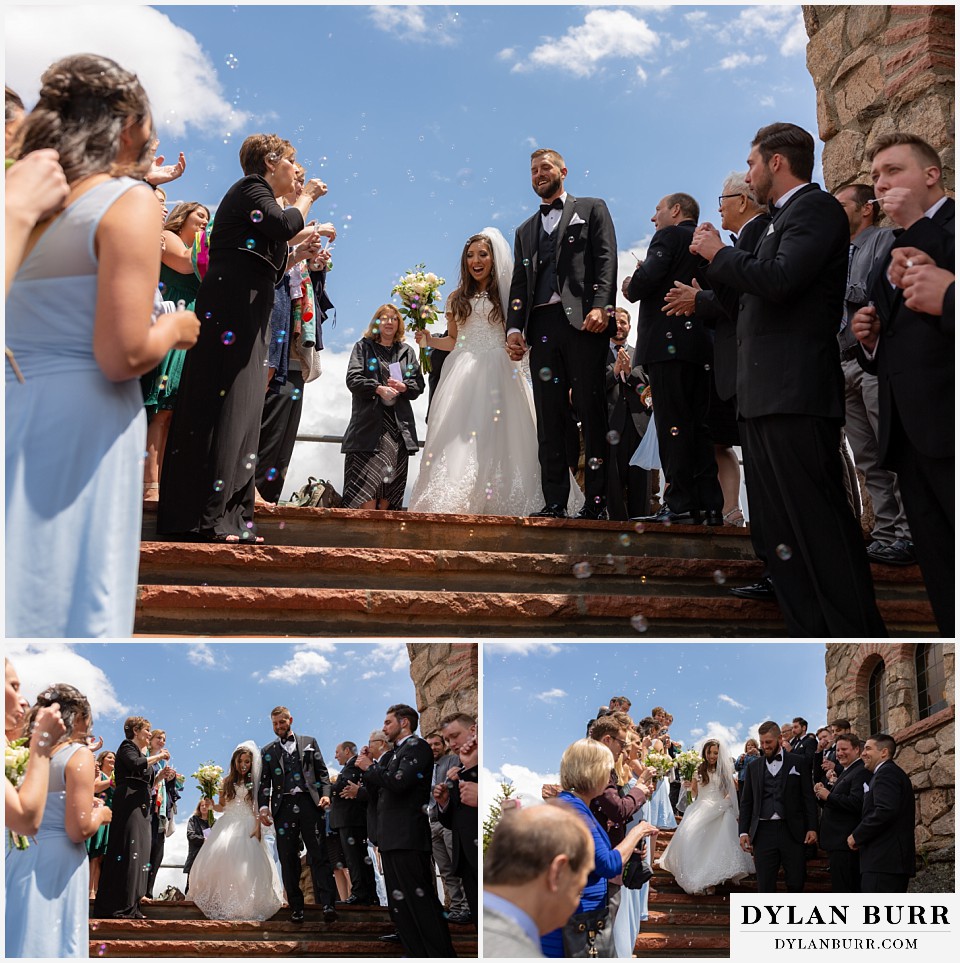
16	755
419	290
209	781
687	763
660	761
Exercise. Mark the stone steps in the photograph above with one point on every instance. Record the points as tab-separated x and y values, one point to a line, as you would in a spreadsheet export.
181	930
328	572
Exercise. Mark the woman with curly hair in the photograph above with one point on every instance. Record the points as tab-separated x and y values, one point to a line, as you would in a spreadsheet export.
47	910
79	332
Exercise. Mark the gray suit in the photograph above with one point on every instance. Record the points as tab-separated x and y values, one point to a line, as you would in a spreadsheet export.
503	938
442	839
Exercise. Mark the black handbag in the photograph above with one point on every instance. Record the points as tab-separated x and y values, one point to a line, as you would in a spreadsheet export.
589	934
636	872
317	493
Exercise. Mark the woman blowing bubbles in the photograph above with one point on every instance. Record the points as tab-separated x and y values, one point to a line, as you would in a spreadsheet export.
207	486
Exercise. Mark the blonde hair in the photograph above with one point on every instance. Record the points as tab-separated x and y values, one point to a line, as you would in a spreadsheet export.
624	772
373	328
585	765
178	216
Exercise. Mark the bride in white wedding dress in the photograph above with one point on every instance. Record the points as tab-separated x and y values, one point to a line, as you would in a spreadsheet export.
233	876
705	849
480	456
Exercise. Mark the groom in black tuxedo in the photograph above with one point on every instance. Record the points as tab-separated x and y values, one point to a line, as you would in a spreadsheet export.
778	813
562	300
294	791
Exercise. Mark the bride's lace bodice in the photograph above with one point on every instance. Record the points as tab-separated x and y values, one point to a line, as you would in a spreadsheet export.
714	790
477	333
240	804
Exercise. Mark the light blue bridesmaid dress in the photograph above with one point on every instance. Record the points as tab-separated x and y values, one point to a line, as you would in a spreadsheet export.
74	444
48	884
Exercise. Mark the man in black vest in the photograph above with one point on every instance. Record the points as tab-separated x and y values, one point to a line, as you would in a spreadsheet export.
562	300
802	742
348	816
842	804
402	779
294	790
677	355
778	813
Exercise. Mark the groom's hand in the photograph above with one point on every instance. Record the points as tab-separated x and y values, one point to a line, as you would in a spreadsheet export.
745	843
516	346
595	321
811	838
265	816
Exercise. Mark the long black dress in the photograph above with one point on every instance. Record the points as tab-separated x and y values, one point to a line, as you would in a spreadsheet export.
207	487
123	878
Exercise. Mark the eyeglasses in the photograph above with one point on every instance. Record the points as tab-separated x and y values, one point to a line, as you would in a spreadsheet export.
720	199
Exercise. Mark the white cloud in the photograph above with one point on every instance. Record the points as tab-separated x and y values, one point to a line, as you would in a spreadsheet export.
730	736
393	654
526	783
740	59
696	17
371	675
626	265
731	702
40	664
508	53
550	695
178	75
767	101
520	648
782	25
410	23
201	654
604	34
530	142
308	660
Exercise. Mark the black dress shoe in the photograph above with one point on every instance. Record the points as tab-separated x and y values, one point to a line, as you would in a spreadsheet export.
761	591
593	513
713	518
898	552
550	511
349	901
296	916
329	914
667	517
389	938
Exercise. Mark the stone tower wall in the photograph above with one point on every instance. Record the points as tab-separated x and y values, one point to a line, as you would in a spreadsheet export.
879	69
926	748
445	677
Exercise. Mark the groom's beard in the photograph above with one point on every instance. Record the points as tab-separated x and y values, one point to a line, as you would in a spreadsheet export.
550	188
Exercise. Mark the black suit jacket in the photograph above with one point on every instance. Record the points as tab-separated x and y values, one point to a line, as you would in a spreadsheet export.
800	804
718	309
805	745
315	773
347	812
402	778
791	303
884	835
668	259
586	263
462	820
914	360
841	810
623	397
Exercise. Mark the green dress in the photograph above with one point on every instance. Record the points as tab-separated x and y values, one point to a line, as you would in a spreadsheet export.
97	843
160	385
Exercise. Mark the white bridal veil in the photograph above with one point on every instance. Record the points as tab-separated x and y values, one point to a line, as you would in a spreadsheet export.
725	773
503	260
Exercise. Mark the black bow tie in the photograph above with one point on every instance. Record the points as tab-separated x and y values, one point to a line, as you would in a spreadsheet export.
776	758
556	205
288	740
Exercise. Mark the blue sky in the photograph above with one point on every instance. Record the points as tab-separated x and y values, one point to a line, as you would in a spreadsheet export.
538	696
209	697
421	119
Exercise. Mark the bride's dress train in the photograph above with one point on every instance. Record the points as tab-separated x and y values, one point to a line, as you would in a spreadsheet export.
233	876
705	850
480	456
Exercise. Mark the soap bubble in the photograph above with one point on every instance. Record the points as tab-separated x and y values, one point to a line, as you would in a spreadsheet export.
639	623
228	337
582	570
